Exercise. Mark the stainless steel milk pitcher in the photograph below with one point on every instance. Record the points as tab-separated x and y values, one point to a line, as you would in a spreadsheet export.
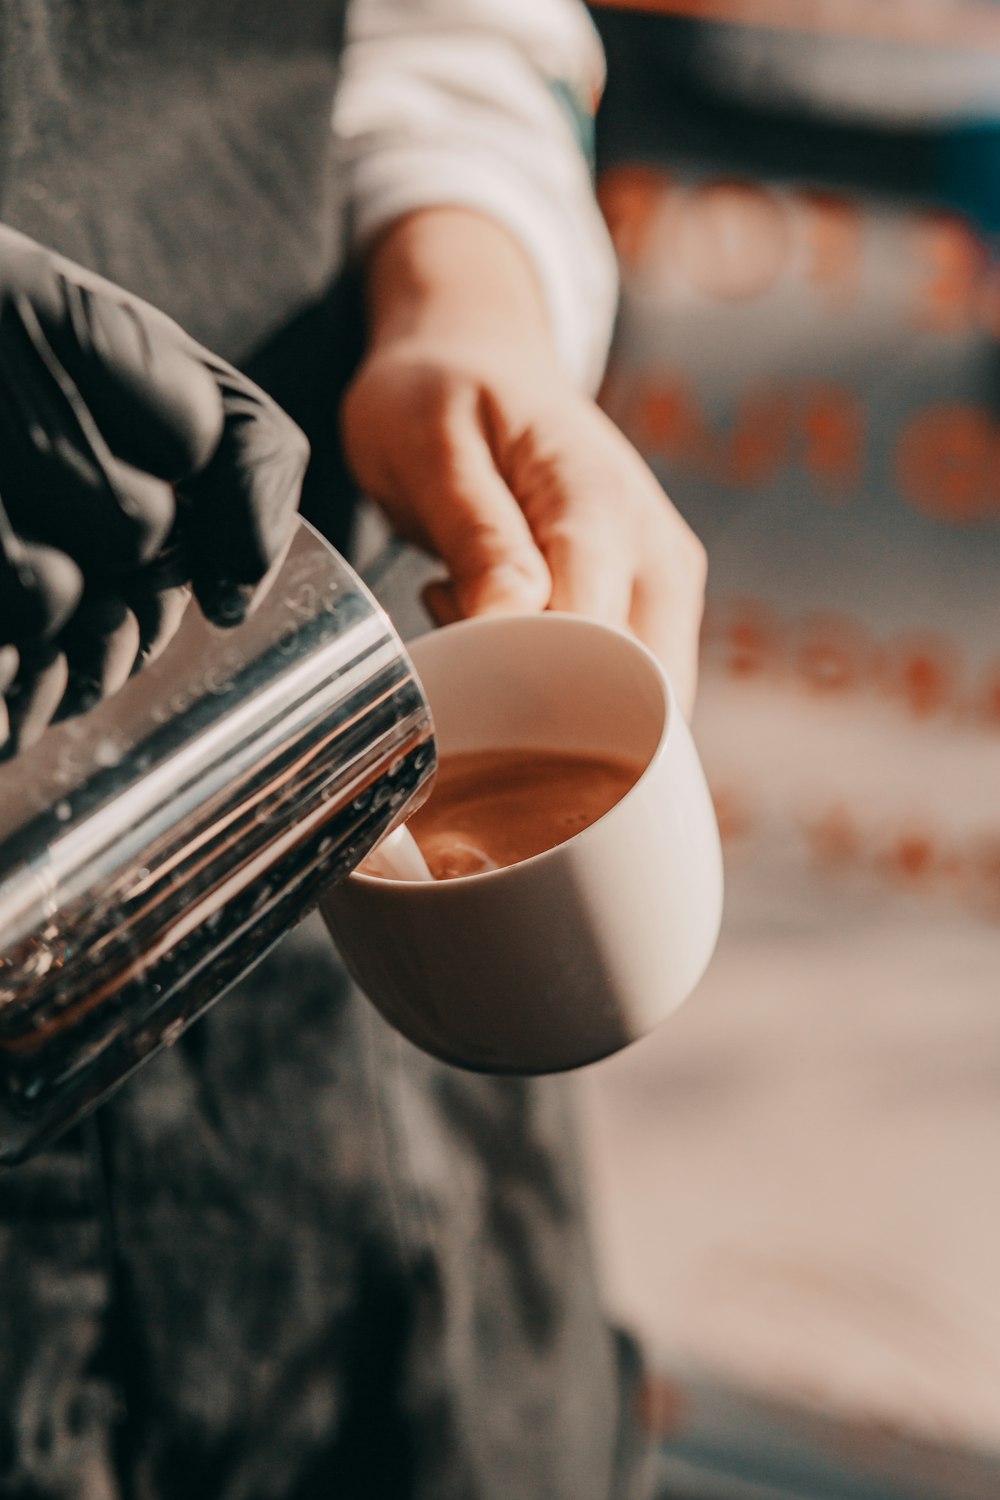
153	849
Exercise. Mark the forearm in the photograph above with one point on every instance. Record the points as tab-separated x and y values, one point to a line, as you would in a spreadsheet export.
452	275
484	108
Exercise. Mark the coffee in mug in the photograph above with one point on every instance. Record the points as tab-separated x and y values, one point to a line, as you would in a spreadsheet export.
493	808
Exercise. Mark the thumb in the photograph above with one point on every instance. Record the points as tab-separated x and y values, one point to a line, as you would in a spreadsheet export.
479	531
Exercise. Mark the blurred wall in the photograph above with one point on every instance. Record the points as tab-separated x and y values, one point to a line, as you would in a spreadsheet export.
793	1177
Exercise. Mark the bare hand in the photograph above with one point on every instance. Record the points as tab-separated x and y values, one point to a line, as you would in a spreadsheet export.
527	492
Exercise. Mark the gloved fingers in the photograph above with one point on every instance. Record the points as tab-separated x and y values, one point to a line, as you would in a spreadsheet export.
101	646
159	604
108	638
40	587
9	662
109	411
143	379
154	401
62	483
239	512
34	695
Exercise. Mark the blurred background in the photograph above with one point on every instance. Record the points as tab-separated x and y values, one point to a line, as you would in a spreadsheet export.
796	1180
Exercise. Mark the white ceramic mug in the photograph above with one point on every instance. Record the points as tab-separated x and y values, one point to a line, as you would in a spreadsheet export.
567	956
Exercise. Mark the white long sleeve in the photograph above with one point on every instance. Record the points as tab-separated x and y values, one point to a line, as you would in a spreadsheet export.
487	104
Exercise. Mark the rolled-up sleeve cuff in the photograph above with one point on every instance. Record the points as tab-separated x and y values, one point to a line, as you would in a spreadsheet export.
462	104
579	284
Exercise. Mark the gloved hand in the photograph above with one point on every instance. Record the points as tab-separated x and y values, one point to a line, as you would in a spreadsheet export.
134	466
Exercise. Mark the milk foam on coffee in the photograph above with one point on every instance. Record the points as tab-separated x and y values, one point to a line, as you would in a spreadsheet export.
492	808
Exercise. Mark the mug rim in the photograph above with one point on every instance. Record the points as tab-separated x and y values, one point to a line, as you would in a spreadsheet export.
671	709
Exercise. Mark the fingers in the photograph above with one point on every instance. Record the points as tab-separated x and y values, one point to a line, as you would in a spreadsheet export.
574	479
438	598
156	405
617	549
34	695
668	596
100	651
108	410
668	624
159	613
62	483
59	679
108	638
10	660
239	512
592	565
493	564
476	526
105	404
529	494
39	588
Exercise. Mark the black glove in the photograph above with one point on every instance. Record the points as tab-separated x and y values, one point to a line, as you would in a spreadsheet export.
134	465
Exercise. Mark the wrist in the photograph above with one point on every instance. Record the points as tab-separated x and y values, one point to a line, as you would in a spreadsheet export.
453	277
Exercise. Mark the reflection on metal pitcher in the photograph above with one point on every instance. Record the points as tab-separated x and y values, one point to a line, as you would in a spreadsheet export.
153	849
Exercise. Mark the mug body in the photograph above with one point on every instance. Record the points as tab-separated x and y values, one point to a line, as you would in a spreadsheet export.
572	954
